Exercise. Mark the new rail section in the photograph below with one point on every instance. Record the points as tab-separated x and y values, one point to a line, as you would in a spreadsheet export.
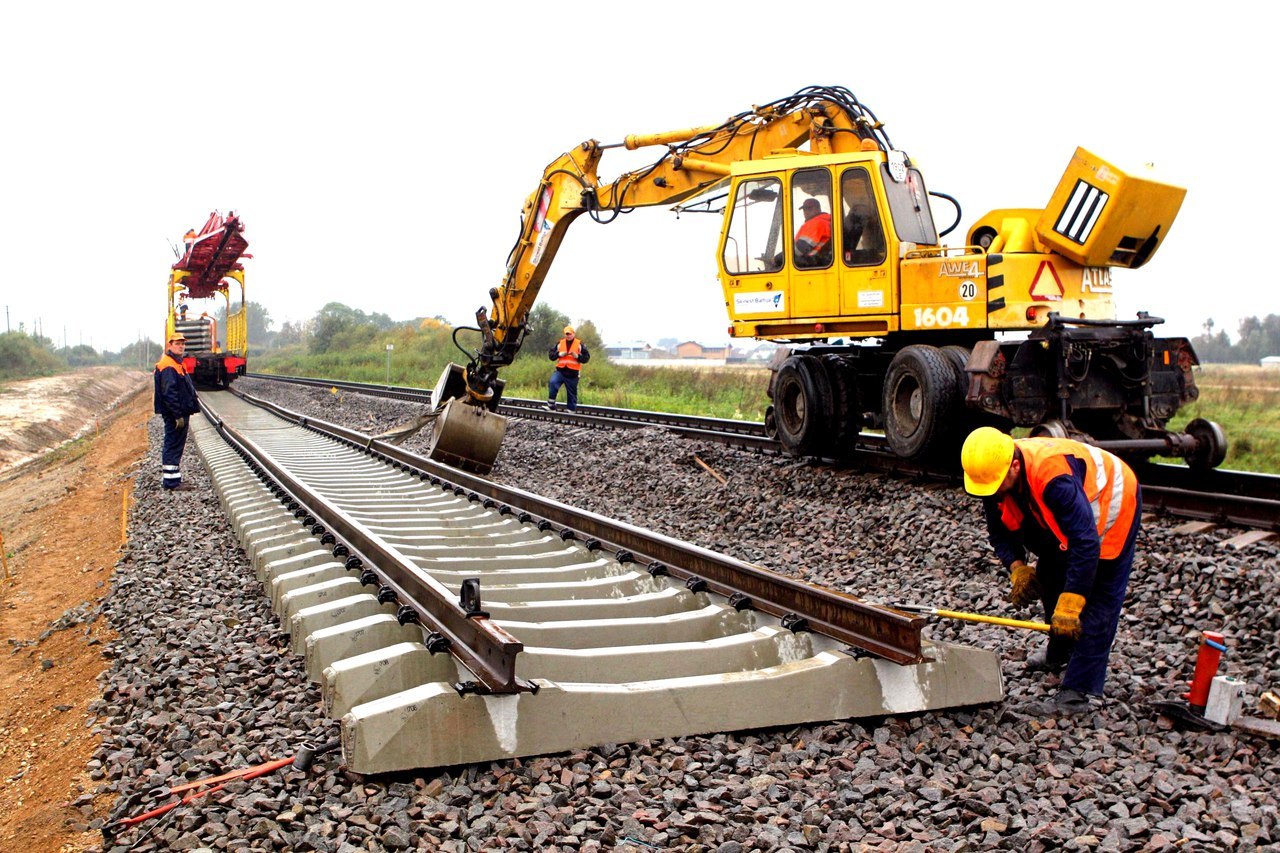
1238	498
451	620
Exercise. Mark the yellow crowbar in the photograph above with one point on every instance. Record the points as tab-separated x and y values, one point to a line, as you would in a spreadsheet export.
971	617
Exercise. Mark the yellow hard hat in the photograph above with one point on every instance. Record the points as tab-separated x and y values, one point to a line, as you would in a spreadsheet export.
985	457
177	336
568	330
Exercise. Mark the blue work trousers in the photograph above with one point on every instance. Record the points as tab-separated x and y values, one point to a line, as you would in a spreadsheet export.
175	440
1087	658
567	378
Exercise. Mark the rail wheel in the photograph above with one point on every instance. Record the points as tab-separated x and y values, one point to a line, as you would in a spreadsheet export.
1211	445
920	401
802	405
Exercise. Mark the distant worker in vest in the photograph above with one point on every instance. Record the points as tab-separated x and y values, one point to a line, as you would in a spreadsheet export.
1078	508
188	240
569	354
813	240
175	402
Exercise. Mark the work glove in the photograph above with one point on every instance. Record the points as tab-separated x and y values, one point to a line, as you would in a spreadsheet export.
179	422
1026	589
1066	616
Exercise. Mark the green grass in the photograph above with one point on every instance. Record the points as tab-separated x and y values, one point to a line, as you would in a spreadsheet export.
737	393
1245	401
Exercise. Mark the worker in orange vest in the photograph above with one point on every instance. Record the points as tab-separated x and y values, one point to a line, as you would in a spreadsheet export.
569	354
813	240
175	402
1078	508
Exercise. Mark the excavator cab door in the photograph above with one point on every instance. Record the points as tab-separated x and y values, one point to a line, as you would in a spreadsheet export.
866	280
814	288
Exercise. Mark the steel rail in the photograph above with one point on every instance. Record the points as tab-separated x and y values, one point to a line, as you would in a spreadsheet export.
846	618
1239	498
481	645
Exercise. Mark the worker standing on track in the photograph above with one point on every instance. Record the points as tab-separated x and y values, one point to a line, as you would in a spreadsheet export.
1078	508
175	402
569	354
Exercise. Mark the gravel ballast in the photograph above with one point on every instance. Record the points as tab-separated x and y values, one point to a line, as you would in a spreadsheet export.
201	682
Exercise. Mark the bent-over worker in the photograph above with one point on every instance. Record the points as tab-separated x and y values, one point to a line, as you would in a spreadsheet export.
175	402
1078	508
569	354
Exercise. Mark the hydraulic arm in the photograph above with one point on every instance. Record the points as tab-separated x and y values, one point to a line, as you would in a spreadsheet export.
696	161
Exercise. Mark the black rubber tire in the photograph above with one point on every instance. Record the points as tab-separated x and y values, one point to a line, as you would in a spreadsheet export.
802	406
920	402
958	356
846	412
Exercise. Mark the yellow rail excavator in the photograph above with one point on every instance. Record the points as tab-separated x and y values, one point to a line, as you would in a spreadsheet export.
833	252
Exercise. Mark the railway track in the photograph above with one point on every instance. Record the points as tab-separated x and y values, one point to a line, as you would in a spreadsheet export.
1220	497
451	620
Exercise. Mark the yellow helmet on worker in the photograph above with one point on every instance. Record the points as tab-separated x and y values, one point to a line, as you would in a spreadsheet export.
568	330
986	457
176	336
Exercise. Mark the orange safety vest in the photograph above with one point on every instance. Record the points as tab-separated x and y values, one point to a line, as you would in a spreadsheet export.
569	358
189	237
167	361
817	231
1109	485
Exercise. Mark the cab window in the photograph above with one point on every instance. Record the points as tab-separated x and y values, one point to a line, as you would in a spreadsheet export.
811	218
753	240
861	232
909	207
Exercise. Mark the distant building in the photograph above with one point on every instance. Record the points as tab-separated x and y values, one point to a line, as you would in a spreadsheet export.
628	351
1272	361
693	349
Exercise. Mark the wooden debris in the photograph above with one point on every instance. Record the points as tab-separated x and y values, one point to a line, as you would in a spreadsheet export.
712	471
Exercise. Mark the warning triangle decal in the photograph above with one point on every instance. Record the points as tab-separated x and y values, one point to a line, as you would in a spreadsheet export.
1046	287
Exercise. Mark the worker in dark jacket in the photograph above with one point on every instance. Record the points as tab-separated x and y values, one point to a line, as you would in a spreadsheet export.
569	354
175	402
1078	508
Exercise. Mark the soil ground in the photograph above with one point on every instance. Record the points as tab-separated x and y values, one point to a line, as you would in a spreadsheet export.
61	519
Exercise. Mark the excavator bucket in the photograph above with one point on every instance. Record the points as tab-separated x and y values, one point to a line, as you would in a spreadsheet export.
463	434
466	436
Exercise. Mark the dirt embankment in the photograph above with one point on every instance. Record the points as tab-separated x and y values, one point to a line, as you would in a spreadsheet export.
37	415
60	519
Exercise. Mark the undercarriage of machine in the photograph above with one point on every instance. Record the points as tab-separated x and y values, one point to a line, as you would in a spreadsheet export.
1107	382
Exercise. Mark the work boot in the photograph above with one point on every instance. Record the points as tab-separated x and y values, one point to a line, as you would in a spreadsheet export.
551	405
1039	661
1068	702
1071	701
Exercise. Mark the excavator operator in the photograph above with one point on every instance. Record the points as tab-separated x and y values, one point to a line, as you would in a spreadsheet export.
813	240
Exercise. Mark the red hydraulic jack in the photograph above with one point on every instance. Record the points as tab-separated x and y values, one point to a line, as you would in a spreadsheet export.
1191	710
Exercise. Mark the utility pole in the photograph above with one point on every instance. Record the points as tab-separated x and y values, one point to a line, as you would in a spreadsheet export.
6	319
390	347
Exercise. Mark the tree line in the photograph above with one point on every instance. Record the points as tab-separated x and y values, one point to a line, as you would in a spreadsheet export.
1257	339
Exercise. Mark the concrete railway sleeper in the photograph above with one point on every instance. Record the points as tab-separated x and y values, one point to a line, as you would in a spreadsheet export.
604	644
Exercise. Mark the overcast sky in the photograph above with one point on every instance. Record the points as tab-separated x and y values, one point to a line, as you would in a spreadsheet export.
379	153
